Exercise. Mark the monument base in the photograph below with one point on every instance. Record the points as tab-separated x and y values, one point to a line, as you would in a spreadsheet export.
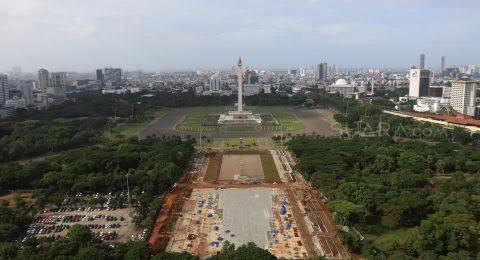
239	118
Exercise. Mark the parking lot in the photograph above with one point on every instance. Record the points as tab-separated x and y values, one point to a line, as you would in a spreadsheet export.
110	220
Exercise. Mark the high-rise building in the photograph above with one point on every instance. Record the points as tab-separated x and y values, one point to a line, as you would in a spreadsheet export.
419	83
27	93
113	76
58	79
422	61
463	96
4	90
321	71
99	76
215	83
43	79
251	77
442	64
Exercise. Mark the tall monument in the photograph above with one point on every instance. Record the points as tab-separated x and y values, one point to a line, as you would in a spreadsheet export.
239	117
240	84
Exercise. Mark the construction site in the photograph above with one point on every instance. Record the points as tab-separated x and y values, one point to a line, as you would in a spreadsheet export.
246	196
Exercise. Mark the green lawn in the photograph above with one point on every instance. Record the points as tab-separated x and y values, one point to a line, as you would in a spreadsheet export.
383	237
287	122
193	123
213	166
269	169
133	129
235	142
240	128
129	130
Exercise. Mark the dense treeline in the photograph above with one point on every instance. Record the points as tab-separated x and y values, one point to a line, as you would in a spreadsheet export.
153	166
32	137
409	199
80	244
367	119
95	104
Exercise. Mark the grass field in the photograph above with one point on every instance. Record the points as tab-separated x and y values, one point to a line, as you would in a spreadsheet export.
240	128
132	129
129	130
269	169
193	123
213	165
235	142
287	122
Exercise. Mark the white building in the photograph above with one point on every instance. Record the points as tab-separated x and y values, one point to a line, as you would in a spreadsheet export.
16	103
251	89
4	89
57	92
419	83
430	104
463	96
341	86
215	82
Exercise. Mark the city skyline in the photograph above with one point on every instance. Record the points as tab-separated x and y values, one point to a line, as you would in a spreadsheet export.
187	35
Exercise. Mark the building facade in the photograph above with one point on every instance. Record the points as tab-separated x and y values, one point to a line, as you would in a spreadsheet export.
321	72
58	79
422	61
43	79
215	83
99	76
419	83
463	96
113	76
4	89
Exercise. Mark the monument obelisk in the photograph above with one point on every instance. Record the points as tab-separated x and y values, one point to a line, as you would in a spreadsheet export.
240	84
239	117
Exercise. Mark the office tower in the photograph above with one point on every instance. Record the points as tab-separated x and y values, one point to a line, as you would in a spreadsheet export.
442	65
27	93
463	96
113	76
251	77
419	83
215	83
321	71
43	79
422	61
99	76
4	90
58	79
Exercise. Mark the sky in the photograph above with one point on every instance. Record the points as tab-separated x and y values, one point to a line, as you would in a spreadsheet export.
160	35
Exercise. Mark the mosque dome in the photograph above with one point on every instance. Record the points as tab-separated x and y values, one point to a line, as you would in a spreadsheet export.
340	82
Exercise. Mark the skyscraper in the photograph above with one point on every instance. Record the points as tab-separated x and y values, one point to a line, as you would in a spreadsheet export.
99	76
419	83
43	79
463	96
4	90
113	76
215	82
27	93
321	71
442	65
422	61
58	79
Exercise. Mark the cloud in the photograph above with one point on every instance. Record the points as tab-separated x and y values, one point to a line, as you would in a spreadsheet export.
81	29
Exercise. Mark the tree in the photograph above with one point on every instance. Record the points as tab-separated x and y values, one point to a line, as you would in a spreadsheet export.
347	213
248	252
80	234
137	250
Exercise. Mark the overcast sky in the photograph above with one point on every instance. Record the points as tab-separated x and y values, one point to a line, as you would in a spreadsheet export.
81	35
